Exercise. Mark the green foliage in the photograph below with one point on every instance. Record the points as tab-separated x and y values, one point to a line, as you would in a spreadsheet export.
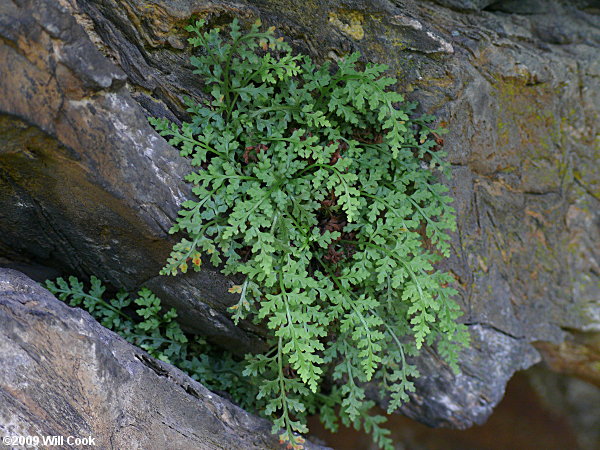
140	321
317	186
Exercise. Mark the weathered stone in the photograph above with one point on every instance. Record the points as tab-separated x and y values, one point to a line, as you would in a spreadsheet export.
445	400
63	374
466	5
578	356
85	183
521	6
520	95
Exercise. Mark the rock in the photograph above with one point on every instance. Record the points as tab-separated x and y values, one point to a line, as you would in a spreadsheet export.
521	6
85	183
445	400
577	356
466	5
520	95
62	374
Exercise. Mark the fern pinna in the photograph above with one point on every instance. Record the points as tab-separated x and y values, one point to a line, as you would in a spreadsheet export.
318	186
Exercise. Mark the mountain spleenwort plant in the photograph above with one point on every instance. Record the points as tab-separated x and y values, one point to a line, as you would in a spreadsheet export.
141	321
317	187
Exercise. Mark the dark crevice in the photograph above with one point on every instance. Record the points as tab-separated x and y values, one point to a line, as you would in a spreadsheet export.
494	328
191	391
587	189
153	365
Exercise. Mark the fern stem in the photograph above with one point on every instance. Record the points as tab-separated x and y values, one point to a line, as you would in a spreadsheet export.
96	300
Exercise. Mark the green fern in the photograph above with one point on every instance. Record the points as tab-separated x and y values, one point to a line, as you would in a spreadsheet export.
319	187
141	321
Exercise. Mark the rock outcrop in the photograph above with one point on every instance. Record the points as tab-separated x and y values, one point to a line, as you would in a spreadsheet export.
86	186
63	374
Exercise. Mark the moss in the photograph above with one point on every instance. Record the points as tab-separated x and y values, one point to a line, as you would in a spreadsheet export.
555	147
530	131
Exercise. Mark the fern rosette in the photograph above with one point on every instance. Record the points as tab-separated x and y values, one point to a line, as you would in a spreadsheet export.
317	185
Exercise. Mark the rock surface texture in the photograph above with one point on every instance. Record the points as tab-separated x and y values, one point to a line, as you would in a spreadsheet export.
85	182
63	374
86	186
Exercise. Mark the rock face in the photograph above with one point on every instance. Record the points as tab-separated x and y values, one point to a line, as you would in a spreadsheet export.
85	183
86	186
62	374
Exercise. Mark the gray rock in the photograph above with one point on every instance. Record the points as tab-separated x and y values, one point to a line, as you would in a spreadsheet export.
519	94
443	399
85	183
521	6
466	5
62	374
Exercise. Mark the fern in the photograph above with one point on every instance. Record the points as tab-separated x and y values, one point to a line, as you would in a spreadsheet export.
140	320
318	185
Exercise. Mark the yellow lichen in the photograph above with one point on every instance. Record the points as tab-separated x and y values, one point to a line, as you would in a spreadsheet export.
349	23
